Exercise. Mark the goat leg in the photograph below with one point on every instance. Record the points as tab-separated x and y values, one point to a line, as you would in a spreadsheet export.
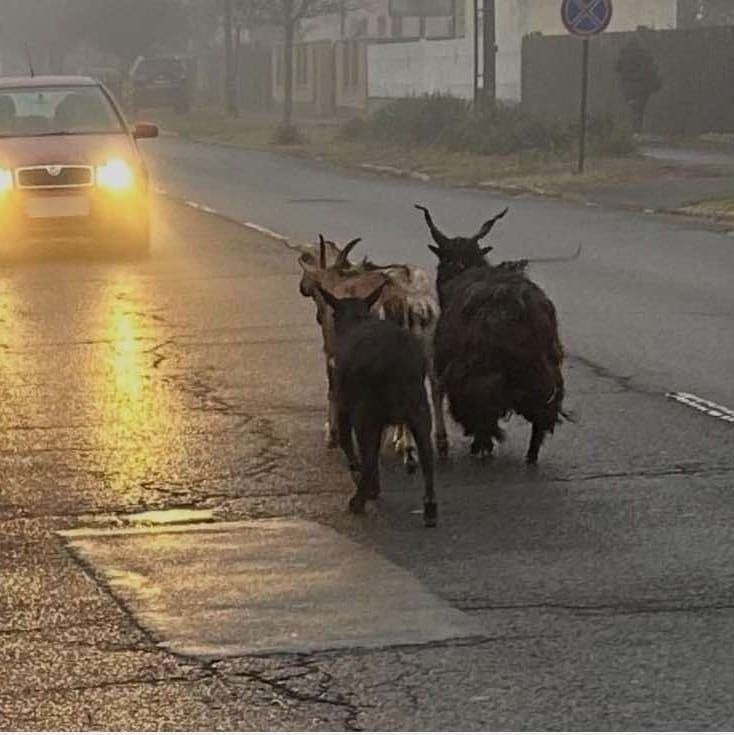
404	446
421	430
347	444
369	436
437	398
536	441
332	431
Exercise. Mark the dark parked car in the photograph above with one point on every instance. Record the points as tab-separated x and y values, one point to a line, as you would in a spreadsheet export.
70	167
158	82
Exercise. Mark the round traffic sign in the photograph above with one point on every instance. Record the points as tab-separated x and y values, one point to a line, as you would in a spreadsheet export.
586	17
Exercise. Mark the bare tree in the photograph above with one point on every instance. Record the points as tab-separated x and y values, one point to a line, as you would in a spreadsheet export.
288	15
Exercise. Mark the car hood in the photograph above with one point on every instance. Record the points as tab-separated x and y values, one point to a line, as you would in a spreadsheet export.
65	149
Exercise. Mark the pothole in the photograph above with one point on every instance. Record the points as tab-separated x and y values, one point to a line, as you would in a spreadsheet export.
317	200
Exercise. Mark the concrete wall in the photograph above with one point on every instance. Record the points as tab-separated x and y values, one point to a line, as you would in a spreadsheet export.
696	68
370	21
421	67
327	78
400	69
350	71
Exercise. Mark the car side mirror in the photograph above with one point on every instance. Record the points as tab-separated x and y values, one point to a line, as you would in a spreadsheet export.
143	131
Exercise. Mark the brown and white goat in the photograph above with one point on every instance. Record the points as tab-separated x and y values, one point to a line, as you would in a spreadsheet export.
409	300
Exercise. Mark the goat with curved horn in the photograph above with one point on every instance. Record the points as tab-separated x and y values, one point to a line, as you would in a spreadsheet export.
441	240
322	252
489	224
342	260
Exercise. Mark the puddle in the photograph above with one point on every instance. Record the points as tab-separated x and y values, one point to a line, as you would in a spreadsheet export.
168	517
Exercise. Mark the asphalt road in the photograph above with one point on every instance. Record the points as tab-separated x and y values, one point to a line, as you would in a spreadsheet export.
601	583
651	301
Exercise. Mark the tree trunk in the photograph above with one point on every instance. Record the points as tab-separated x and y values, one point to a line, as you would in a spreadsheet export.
288	76
230	84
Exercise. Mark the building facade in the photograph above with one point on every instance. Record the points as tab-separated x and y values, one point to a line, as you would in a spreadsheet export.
425	66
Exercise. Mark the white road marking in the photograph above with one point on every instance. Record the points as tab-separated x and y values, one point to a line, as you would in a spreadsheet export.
265	231
250	225
710	408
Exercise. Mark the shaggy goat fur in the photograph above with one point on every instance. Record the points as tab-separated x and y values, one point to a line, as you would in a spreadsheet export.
380	381
497	346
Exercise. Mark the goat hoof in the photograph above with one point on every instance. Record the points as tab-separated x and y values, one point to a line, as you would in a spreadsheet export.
480	449
430	514
356	505
531	461
442	447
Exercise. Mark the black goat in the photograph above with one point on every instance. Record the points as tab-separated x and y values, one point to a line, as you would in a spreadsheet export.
380	382
497	346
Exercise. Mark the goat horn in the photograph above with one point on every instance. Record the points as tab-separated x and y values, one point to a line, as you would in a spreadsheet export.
322	252
440	239
342	260
489	224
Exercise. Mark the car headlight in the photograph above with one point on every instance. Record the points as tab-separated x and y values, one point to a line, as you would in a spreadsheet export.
6	180
115	175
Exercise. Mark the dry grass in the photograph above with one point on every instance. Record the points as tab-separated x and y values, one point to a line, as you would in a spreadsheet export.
722	209
541	173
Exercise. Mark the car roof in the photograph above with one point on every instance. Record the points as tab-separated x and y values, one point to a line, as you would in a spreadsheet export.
48	81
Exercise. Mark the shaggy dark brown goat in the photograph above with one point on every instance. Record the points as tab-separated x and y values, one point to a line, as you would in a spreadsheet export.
380	381
497	346
408	300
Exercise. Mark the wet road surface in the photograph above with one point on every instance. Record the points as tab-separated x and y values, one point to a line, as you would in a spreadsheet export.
602	583
650	300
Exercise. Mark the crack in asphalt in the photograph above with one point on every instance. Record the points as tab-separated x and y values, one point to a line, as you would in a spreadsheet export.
322	696
103	685
690	470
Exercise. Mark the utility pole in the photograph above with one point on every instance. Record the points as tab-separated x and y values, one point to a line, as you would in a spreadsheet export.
490	54
485	27
230	73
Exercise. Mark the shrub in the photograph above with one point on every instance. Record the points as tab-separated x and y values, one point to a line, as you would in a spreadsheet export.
447	121
287	135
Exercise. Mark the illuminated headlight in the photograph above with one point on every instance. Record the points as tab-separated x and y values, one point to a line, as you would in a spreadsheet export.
115	175
6	180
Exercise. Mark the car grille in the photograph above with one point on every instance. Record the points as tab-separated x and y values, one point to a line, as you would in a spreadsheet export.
55	177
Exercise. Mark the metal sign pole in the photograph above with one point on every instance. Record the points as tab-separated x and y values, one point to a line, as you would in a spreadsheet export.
585	19
584	104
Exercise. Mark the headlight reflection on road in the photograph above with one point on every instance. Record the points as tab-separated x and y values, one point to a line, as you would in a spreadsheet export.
141	417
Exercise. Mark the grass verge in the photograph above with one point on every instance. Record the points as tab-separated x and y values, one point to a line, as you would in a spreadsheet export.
541	173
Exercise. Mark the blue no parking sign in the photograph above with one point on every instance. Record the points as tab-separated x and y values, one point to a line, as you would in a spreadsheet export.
586	18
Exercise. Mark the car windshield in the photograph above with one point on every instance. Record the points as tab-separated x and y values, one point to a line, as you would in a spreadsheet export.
37	111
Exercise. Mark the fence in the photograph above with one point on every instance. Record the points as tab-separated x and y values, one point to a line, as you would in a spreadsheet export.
696	68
